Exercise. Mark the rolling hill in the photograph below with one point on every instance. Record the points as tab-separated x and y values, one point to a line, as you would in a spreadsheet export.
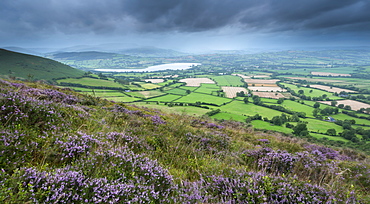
14	64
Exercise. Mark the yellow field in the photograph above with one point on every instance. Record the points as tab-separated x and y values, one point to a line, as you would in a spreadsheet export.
231	91
197	81
332	90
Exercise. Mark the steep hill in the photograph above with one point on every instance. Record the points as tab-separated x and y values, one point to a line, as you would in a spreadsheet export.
33	67
58	146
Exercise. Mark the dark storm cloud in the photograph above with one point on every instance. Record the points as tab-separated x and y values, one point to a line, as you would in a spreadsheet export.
43	17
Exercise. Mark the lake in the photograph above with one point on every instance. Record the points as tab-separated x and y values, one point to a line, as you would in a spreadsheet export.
172	66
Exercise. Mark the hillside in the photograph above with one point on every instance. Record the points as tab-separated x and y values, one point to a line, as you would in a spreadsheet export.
58	146
31	67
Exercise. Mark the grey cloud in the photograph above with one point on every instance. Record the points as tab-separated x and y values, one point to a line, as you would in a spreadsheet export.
26	17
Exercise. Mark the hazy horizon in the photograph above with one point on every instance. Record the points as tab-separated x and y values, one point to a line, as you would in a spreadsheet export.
187	26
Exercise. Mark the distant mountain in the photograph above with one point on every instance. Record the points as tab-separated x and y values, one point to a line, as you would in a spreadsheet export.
33	67
80	56
152	52
23	50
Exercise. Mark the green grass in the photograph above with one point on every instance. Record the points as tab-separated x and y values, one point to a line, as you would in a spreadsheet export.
194	97
191	88
314	93
122	99
177	91
227	80
189	110
34	67
335	138
259	124
148	85
359	121
165	98
298	107
229	116
321	126
240	108
208	89
92	82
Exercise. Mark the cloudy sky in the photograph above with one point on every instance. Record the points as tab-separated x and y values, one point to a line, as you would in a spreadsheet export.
185	24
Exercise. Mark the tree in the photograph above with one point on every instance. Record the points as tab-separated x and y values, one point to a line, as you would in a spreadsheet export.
341	106
280	100
347	107
276	120
300	91
188	91
334	103
315	112
300	129
331	132
246	100
316	105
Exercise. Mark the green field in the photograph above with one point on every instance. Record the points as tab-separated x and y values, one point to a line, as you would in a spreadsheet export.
204	98
229	116
298	107
227	80
335	138
177	91
259	124
311	91
189	110
359	121
321	126
122	99
240	108
165	98
208	89
92	82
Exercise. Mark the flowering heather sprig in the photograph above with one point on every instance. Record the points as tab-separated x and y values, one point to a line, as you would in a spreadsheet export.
18	109
251	187
264	141
110	176
157	120
327	152
75	145
16	148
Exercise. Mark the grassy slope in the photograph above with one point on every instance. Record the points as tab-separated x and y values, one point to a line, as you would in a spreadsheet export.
23	65
129	153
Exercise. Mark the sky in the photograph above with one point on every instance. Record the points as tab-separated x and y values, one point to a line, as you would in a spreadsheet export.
185	25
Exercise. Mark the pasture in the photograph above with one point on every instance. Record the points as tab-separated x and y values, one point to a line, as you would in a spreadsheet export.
359	121
189	110
195	97
208	89
228	80
164	98
321	126
229	116
259	124
177	91
92	82
240	108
